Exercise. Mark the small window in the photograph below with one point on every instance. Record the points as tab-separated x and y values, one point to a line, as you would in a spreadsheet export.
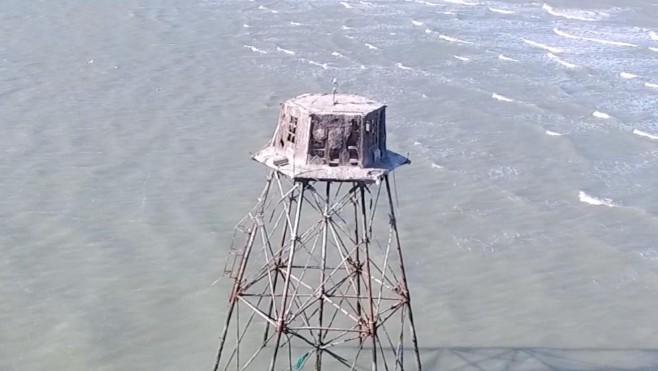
292	129
353	142
374	133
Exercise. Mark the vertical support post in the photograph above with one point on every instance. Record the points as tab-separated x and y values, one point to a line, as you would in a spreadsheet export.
318	353
403	273
243	266
372	329
286	285
277	263
233	301
357	263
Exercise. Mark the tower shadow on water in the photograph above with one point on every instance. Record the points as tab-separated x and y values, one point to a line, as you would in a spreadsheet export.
318	273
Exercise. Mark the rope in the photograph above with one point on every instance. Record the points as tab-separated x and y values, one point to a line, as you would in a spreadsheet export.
299	363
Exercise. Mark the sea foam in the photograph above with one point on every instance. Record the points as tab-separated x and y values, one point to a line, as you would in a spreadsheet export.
255	49
588	199
323	65
577	14
501	98
501	11
263	7
462	2
560	61
551	49
505	58
285	50
600	115
453	39
645	134
600	41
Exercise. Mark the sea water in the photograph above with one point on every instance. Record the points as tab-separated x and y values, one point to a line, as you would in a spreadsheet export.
529	217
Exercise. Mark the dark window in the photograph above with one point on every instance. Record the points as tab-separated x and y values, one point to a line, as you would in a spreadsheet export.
374	133
292	129
318	143
353	143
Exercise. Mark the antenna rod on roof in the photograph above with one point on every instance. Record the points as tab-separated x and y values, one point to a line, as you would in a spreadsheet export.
334	90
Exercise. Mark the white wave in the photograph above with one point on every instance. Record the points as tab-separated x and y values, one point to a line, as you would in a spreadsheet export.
651	85
464	59
627	75
645	134
427	3
653	35
292	23
246	25
448	12
462	2
263	7
337	54
402	66
255	49
454	39
600	115
501	11
501	98
653	49
323	65
346	5
417	23
504	58
552	133
370	46
427	30
560	61
600	41
343	27
436	166
285	50
578	14
365	2
551	49
588	199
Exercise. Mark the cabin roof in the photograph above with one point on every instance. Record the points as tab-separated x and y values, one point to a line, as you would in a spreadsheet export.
345	104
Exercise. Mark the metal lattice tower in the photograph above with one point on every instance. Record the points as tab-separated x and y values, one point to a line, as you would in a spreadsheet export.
317	267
